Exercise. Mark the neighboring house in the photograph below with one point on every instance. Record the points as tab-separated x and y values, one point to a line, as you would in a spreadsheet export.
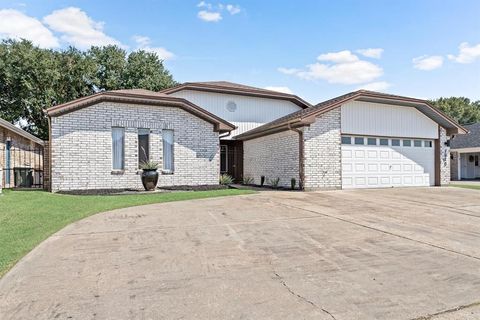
244	106
98	142
198	130
21	157
359	140
465	152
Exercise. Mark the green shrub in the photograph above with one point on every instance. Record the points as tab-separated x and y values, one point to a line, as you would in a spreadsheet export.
226	179
149	165
293	183
247	180
274	182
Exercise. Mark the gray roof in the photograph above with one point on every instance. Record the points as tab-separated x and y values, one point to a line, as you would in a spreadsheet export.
469	140
20	132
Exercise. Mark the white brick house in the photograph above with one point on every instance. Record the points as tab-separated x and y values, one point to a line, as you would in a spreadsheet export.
81	146
359	140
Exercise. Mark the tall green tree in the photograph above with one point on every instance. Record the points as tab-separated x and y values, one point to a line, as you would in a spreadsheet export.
33	79
459	108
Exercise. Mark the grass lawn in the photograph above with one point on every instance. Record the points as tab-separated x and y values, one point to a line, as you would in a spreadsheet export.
29	217
466	186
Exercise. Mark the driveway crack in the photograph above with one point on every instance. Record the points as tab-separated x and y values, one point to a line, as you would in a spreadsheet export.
434	315
280	279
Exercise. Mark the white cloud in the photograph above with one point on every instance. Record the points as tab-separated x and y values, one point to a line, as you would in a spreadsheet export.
427	62
233	9
143	43
280	89
15	24
467	53
209	16
375	53
78	29
344	68
375	86
338	57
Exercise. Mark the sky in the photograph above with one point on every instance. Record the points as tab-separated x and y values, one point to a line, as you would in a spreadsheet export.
314	49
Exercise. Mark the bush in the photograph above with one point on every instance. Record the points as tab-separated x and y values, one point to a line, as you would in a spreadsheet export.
149	165
247	180
274	182
226	179
262	180
293	183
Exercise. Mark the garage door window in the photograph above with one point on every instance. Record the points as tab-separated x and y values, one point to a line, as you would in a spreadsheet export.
359	140
372	141
395	142
346	140
407	143
384	142
417	143
428	144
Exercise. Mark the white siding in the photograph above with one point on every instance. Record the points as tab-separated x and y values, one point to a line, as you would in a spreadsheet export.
250	113
386	120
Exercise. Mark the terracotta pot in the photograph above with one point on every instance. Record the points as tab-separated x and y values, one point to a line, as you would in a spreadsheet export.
150	179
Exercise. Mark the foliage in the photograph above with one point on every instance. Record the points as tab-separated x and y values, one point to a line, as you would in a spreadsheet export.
33	79
247	180
293	183
459	108
29	217
226	179
149	165
274	182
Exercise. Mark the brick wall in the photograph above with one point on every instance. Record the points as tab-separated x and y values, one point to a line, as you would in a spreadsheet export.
273	156
454	165
444	158
82	147
323	167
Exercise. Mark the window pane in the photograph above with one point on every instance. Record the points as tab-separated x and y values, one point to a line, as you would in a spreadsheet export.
143	145
359	140
346	140
407	143
417	143
395	142
118	146
384	142
372	141
223	158
428	144
167	137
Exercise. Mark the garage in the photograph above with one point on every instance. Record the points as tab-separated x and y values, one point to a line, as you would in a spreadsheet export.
380	162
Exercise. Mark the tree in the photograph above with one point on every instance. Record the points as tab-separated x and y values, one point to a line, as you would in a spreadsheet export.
33	79
459	108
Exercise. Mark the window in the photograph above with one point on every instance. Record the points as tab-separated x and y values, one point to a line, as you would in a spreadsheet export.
407	143
346	140
395	142
427	144
167	137
8	148
143	145
359	140
223	158
476	161
118	148
372	141
384	142
417	143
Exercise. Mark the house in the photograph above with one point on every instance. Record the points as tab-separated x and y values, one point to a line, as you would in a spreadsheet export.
465	150
21	157
99	141
362	139
244	106
198	130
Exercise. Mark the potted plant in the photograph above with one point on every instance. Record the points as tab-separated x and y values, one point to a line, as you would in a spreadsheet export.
149	175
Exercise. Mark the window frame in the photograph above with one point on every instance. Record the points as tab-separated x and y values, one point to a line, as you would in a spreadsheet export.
383	139
122	167
415	143
172	169
409	141
396	140
147	153
359	144
346	137
428	143
371	138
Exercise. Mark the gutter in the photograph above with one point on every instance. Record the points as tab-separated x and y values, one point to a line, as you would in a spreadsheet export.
301	157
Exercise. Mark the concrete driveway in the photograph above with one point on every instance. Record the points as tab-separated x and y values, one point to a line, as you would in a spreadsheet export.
365	254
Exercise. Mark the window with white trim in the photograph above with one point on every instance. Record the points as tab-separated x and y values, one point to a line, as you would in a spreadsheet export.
118	148
168	150
346	140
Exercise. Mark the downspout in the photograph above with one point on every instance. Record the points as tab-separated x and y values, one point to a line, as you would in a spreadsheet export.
301	157
226	135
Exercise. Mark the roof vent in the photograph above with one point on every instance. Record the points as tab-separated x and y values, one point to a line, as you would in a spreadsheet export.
231	106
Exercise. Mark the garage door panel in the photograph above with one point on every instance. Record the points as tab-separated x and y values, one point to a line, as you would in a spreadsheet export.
370	166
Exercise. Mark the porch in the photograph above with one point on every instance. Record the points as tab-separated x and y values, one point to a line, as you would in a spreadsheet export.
465	164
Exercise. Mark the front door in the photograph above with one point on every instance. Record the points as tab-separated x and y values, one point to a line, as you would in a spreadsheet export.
231	159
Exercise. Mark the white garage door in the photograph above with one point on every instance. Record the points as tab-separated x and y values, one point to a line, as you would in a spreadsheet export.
376	162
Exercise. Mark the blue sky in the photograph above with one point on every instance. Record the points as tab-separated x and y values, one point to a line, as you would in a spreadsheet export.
315	49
